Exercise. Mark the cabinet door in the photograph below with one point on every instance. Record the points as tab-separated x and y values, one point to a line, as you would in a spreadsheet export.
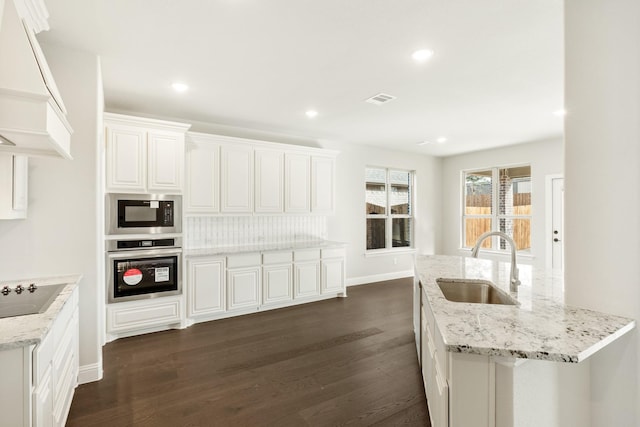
322	184
20	180
165	161
269	185
206	286
236	179
203	178
13	186
277	283
126	159
43	401
297	183
243	286
332	275
307	279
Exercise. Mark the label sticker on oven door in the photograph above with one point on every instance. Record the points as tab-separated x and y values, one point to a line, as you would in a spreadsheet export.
132	276
162	274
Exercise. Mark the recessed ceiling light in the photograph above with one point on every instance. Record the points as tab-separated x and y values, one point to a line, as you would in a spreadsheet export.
311	113
422	55
441	140
560	113
179	87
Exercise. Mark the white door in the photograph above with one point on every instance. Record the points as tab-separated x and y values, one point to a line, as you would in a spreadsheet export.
297	183
307	279
236	179
277	283
557	222
332	275
126	159
203	178
243	287
165	160
269	185
322	184
206	286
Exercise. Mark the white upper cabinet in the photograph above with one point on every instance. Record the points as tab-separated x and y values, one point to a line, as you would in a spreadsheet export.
165	161
144	155
13	186
126	154
322	184
203	176
227	175
236	178
296	183
269	186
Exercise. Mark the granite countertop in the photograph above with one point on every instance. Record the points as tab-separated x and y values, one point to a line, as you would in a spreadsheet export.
22	331
263	247
541	327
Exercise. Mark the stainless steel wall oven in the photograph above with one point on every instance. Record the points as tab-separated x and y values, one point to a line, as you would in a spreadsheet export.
143	268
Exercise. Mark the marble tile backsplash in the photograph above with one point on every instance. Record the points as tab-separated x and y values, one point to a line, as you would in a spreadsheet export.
209	232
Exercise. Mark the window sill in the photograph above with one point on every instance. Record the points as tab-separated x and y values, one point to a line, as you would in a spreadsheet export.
502	254
383	252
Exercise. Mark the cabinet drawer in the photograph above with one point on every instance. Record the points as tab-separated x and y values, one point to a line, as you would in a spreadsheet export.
277	258
243	260
143	315
306	255
333	253
60	325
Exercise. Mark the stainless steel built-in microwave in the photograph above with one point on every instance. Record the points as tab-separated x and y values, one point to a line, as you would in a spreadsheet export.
143	214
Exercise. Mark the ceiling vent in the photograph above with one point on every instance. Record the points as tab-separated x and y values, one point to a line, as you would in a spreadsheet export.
381	98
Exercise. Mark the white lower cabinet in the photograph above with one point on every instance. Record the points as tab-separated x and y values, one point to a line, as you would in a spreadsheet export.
307	279
277	283
244	287
137	316
219	286
38	381
206	294
333	273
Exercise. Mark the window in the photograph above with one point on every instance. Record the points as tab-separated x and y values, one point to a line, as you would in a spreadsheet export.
389	208
497	199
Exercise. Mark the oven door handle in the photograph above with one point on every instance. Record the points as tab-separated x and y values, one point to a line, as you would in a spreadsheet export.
155	253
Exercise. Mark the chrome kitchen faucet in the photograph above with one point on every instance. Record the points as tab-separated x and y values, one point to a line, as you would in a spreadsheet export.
513	279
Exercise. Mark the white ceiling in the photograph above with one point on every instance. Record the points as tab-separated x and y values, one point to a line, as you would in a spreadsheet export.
495	79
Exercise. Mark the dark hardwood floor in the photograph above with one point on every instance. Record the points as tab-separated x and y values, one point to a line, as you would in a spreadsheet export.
344	361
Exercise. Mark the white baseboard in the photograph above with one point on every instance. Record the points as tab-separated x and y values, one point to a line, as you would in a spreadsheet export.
363	280
90	373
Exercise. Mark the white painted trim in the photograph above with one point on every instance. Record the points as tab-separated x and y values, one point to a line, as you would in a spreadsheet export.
383	252
258	144
502	255
363	280
155	124
90	373
548	215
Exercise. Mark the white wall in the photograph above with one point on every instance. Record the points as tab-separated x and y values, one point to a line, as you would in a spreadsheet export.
602	189
59	235
349	222
545	158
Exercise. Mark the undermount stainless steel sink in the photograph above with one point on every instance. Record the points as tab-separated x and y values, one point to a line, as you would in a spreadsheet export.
474	291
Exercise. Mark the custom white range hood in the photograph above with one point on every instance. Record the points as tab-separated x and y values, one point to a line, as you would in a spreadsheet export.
32	114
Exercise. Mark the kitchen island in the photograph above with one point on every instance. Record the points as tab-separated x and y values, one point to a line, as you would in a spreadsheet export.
505	365
39	357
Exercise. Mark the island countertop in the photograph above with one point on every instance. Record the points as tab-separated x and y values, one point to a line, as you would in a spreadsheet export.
541	327
21	331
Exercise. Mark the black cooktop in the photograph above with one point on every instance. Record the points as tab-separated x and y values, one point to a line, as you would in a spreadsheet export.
27	300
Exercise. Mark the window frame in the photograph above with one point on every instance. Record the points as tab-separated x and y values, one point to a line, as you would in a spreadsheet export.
388	216
495	215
